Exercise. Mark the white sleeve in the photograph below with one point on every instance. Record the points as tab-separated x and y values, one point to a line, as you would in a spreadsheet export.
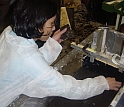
49	82
50	50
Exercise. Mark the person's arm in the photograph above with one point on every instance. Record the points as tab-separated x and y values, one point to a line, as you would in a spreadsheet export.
46	81
51	50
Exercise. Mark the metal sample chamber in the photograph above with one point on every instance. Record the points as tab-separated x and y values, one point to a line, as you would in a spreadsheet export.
104	45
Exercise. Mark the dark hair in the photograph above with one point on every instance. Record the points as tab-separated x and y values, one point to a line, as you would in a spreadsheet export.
30	15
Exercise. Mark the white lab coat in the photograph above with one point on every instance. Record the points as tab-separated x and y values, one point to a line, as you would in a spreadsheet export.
25	69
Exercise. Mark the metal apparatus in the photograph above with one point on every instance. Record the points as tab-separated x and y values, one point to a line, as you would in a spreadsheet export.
105	45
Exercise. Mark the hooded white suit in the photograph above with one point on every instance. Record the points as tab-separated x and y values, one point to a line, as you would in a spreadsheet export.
25	69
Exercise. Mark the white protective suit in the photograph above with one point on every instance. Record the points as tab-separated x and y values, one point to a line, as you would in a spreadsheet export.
25	69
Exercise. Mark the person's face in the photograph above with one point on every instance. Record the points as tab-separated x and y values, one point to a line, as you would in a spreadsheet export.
48	28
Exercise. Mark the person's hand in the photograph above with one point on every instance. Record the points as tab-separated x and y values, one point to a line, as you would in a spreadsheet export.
113	84
57	35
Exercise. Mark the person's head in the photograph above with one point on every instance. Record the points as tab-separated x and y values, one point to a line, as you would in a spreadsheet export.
34	18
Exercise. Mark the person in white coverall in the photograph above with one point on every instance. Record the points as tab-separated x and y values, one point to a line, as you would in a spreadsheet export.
25	68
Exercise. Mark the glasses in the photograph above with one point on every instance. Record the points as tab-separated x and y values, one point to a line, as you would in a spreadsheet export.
51	26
